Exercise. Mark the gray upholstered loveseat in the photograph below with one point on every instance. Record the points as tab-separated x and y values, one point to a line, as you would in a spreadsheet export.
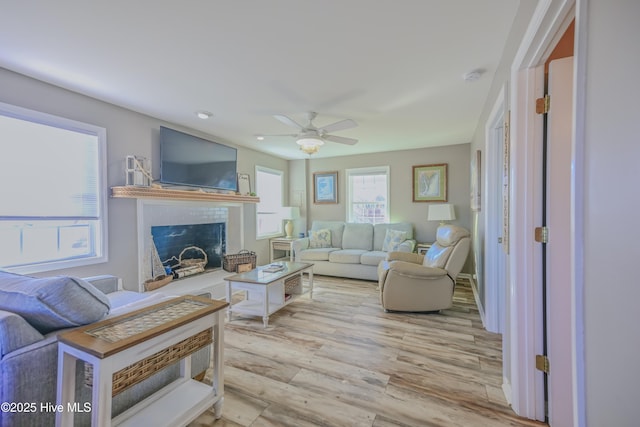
32	313
352	250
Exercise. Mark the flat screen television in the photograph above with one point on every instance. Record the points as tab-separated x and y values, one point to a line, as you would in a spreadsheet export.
196	162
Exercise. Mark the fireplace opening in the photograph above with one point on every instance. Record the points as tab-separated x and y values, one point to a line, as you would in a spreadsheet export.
173	240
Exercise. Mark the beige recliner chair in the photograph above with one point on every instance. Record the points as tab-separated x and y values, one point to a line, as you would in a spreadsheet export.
414	282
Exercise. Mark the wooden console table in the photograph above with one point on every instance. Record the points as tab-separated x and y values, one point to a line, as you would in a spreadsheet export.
129	348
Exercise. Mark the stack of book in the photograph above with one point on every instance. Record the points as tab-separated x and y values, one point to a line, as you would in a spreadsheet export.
273	268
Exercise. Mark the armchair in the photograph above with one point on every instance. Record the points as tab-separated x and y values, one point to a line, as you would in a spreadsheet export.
415	282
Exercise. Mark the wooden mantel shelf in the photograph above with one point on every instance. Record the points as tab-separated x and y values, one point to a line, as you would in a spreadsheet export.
133	192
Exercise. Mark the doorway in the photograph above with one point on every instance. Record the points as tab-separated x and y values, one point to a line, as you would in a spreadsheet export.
526	299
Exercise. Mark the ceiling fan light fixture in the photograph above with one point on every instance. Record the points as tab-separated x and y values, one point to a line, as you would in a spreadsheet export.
310	149
309	145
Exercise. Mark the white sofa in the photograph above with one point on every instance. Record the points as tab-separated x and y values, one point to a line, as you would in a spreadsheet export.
355	249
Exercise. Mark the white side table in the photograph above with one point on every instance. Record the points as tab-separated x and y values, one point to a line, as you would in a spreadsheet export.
281	244
119	348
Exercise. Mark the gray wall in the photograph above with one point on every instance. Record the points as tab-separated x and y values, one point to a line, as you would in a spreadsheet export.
128	132
501	78
607	168
400	165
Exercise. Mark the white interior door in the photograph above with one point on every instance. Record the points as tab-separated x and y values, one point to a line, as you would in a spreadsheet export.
558	248
495	258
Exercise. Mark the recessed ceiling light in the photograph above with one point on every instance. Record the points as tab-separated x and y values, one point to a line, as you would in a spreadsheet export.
204	115
260	138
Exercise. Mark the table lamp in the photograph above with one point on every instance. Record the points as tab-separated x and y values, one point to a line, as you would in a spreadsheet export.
290	213
441	212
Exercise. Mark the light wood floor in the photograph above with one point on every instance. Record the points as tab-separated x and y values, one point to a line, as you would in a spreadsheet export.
340	360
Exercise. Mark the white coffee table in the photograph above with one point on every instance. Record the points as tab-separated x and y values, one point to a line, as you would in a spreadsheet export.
268	292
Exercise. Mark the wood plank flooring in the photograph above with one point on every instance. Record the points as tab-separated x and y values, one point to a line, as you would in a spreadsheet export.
340	360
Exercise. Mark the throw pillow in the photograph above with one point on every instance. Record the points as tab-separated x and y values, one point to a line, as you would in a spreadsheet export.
320	238
53	302
392	240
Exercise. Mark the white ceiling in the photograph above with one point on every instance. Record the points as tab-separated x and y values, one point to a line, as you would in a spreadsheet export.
394	66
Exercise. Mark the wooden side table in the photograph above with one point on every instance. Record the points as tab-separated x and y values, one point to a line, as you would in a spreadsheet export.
129	348
281	244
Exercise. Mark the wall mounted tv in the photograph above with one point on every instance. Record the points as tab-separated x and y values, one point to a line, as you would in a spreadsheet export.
196	162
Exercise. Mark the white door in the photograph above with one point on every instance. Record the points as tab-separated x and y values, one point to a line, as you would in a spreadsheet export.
558	248
495	257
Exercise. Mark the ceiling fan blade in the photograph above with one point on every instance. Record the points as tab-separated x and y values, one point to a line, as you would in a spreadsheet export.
287	121
341	125
340	139
279	134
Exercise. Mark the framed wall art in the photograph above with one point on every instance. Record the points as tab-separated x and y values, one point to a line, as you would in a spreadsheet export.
325	187
430	183
244	184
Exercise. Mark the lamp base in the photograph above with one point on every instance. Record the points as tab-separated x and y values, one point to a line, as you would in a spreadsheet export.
288	228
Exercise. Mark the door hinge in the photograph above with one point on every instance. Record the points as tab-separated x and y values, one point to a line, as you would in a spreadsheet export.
543	104
542	363
542	235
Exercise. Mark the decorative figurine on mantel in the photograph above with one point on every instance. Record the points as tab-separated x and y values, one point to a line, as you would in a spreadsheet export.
138	171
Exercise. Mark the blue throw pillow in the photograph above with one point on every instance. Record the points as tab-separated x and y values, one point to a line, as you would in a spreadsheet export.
393	239
53	302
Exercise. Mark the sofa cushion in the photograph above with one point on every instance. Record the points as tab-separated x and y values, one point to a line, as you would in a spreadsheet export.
357	236
373	257
336	227
320	238
15	333
320	254
393	239
346	256
52	303
380	232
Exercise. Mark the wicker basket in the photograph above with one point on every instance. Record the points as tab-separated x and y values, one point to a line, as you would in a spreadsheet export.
230	262
191	262
291	284
143	369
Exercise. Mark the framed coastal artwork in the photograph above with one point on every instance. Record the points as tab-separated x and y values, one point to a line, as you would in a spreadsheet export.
325	187
430	183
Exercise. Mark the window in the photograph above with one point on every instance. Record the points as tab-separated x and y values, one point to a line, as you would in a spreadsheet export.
269	189
368	195
52	182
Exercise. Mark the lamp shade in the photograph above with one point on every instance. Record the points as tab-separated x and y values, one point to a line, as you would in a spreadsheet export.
290	212
441	212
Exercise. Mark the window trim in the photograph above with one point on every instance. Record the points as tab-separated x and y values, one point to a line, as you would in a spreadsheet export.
371	170
265	169
102	231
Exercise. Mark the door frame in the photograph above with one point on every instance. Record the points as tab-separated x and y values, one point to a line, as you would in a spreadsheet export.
495	280
524	312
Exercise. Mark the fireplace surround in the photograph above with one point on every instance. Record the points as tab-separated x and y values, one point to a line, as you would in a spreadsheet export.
173	217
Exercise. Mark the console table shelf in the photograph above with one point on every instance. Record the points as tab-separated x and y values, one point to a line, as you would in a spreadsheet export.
133	192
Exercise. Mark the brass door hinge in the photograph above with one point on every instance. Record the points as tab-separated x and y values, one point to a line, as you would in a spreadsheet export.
542	235
542	363
543	104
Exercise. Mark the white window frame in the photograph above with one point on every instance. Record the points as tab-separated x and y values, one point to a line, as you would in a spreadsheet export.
373	170
276	209
99	231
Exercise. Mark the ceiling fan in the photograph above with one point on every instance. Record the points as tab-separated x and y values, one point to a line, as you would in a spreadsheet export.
310	137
